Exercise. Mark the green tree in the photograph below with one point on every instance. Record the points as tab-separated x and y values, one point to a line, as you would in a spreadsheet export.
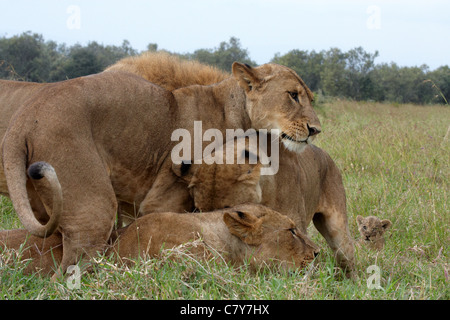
223	56
307	65
25	57
359	73
333	75
440	84
81	61
152	47
93	58
401	84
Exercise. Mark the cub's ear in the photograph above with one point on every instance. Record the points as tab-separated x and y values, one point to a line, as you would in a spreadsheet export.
244	225
245	75
252	176
386	224
359	219
185	170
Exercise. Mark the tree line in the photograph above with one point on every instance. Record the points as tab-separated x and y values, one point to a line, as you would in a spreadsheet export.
352	74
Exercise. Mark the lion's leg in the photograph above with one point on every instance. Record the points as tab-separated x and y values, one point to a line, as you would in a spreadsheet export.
334	228
331	220
86	235
89	206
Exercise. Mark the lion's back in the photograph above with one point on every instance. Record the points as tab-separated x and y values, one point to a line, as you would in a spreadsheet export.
169	71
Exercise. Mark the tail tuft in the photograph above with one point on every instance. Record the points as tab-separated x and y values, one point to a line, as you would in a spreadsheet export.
37	170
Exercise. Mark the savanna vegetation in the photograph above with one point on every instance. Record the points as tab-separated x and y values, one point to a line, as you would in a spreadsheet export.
393	154
394	161
353	74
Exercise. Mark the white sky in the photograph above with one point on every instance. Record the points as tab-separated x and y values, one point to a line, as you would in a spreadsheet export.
409	33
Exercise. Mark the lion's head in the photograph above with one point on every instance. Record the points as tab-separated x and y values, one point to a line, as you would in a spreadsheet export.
372	228
215	186
277	98
277	240
233	184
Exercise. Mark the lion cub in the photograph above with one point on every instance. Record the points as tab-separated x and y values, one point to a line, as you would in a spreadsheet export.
248	232
372	230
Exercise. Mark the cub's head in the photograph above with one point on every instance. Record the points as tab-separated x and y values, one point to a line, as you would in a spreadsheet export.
272	238
216	186
372	228
277	98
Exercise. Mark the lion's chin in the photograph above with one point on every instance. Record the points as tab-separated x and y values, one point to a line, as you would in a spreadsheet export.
294	146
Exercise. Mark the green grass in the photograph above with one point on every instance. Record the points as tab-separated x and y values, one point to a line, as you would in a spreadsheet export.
395	164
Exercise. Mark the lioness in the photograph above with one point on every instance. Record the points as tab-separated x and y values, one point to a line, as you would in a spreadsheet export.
307	187
247	232
163	69
88	127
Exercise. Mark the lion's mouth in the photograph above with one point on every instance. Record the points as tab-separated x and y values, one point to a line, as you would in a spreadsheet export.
288	137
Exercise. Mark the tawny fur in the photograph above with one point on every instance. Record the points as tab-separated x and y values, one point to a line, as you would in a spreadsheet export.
163	69
169	71
307	187
372	231
249	232
108	136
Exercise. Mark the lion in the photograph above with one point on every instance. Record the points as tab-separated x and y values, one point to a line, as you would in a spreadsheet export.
160	68
372	229
307	187
108	137
248	232
163	69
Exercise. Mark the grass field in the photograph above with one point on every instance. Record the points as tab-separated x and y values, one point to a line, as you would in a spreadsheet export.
395	165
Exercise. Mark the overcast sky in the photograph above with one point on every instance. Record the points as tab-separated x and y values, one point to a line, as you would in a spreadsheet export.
410	33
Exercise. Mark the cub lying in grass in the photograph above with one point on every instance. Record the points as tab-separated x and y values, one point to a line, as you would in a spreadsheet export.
248	232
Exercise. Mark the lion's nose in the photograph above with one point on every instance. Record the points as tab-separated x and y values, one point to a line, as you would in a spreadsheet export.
313	131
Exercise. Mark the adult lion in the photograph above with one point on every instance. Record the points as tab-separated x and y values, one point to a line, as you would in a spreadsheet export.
163	69
307	187
108	136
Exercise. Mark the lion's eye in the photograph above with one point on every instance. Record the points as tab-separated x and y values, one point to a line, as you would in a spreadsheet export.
294	95
292	230
364	227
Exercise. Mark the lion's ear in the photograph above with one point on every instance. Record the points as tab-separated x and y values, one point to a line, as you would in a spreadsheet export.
244	225
252	176
184	170
386	224
245	75
359	219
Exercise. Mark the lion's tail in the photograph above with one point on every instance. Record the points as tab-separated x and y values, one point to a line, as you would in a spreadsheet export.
15	172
